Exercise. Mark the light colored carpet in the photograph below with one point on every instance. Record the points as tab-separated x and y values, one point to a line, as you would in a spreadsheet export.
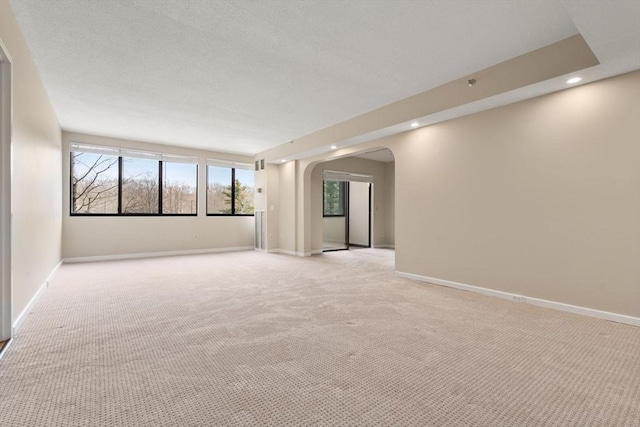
333	340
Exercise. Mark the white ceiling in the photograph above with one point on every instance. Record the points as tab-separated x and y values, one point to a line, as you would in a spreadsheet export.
245	76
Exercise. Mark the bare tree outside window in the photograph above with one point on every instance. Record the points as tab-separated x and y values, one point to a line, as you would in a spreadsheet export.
94	183
179	188
218	183
140	186
112	184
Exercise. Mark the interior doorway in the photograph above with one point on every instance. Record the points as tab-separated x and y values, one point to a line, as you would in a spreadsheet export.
5	197
347	219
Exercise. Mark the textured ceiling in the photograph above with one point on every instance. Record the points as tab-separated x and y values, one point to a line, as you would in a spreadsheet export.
244	76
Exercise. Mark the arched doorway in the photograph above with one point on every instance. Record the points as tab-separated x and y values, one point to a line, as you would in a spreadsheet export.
353	201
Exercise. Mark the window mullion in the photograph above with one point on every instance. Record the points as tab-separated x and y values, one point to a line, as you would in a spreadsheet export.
233	191
160	187
72	206
119	185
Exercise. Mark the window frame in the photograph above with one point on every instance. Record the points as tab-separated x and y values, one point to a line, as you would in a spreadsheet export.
161	188
343	199
233	193
120	185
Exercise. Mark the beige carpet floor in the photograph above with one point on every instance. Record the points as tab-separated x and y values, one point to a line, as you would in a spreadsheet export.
332	340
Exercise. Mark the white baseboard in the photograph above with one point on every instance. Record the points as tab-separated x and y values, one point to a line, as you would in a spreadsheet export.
6	347
281	251
292	253
23	315
155	254
614	317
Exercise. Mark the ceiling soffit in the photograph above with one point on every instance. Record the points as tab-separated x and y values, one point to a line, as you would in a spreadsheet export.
557	59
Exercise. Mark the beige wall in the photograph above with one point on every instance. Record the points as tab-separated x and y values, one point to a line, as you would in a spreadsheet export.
269	202
36	186
260	205
540	198
273	206
287	207
390	224
260	199
120	235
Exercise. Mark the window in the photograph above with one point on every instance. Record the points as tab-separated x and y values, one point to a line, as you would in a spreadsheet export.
111	181
243	192
333	198
218	190
223	198
140	184
179	188
94	183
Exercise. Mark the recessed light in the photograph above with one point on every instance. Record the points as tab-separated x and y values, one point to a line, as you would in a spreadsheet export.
415	124
282	161
574	80
333	147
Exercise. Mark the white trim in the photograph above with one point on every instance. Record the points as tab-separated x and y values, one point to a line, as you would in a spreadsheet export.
23	316
80	147
294	253
155	254
288	252
279	251
614	317
6	347
230	164
329	175
6	172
